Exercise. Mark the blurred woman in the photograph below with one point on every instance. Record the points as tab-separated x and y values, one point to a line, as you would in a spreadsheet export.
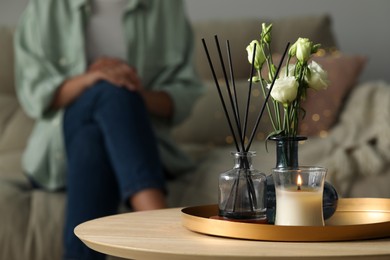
105	80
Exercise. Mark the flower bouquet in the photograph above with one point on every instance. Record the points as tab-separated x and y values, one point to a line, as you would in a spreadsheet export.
297	76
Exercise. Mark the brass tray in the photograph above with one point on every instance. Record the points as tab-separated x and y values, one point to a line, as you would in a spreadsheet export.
354	219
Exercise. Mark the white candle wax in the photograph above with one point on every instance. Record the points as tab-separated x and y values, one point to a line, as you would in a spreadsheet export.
299	207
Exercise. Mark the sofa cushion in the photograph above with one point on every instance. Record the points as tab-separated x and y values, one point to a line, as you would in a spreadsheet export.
324	107
31	221
208	123
317	28
15	126
241	32
6	61
10	166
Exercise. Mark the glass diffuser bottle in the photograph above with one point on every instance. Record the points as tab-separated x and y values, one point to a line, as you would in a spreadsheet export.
242	190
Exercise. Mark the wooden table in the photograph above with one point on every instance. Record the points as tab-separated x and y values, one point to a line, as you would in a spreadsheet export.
160	235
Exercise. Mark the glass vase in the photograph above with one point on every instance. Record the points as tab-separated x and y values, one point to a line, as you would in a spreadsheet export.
287	157
242	190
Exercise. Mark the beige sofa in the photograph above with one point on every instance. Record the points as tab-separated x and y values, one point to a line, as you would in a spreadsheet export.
31	220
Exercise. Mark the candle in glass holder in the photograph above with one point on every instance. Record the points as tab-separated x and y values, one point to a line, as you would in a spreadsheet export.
299	207
299	196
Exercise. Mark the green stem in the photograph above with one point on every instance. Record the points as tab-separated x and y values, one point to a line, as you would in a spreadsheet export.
277	112
297	103
293	117
287	120
267	105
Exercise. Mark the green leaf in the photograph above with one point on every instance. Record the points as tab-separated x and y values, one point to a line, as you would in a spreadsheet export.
315	48
255	79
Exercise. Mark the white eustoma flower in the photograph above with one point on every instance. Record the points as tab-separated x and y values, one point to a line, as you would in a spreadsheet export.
285	90
259	58
317	78
303	49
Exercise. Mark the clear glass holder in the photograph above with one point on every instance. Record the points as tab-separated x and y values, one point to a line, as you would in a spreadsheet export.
299	193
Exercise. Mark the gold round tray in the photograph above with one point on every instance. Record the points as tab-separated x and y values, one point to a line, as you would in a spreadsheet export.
354	219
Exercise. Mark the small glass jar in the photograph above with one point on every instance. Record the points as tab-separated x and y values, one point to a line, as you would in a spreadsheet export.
242	190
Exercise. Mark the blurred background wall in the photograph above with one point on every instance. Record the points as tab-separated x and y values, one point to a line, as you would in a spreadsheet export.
361	26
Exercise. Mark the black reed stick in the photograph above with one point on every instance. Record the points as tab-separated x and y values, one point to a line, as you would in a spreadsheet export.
233	83
229	91
220	94
249	92
266	99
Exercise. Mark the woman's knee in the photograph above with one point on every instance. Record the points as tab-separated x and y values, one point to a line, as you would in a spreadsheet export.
103	96
103	91
110	91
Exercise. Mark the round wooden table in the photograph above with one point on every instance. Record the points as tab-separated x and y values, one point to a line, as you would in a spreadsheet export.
159	234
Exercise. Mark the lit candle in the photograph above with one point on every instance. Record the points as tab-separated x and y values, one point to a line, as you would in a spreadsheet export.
299	195
299	182
299	205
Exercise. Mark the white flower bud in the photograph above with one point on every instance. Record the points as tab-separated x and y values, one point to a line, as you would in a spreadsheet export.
293	50
266	32
303	51
260	58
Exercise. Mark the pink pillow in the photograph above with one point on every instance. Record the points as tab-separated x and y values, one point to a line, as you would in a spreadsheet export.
323	107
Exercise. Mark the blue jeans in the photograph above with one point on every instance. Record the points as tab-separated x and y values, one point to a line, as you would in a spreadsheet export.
112	154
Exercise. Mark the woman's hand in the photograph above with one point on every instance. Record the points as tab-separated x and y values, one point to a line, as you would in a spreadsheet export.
112	70
117	72
73	87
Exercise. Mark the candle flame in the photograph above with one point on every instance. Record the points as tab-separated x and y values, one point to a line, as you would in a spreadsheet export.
299	182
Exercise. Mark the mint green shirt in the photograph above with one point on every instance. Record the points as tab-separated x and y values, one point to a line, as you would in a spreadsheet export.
49	48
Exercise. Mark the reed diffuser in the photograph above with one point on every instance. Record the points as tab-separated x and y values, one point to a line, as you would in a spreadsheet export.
242	190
